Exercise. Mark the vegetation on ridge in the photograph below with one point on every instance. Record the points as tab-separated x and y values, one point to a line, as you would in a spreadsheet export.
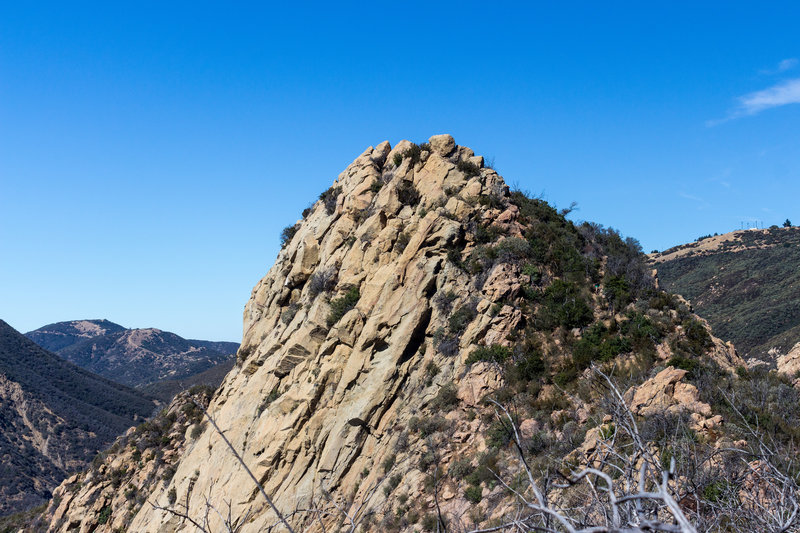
749	296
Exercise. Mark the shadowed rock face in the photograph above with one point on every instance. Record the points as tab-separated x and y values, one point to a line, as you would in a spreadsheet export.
54	417
133	357
331	375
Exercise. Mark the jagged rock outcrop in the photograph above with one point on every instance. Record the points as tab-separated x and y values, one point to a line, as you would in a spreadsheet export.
667	392
361	367
416	286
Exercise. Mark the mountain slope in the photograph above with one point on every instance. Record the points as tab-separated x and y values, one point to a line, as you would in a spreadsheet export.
166	389
54	417
746	283
133	357
416	287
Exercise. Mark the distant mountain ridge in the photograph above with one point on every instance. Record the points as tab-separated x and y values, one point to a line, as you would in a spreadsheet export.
133	357
745	283
60	335
54	417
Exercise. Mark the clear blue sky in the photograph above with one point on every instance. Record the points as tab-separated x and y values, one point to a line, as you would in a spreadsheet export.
150	153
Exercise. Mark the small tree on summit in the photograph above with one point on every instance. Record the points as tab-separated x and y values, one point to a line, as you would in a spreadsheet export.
787	223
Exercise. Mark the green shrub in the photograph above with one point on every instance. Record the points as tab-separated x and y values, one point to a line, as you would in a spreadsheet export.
717	491
323	280
413	153
271	397
473	494
481	259
513	249
461	318
618	292
460	468
104	516
606	432
663	301
487	465
288	233
684	363
402	241
329	199
564	305
443	301
407	193
533	271
528	366
340	306
446	343
496	353
699	341
428	425
454	257
565	376
598	344
169	473
498	435
492	201
446	398
468	168
197	430
289	313
172	496
391	484
642	332
430	522
486	233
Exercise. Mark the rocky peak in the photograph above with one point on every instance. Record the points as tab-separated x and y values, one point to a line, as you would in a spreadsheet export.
414	287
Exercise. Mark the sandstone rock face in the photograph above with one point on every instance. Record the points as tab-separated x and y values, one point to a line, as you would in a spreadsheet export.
666	392
443	144
789	363
361	367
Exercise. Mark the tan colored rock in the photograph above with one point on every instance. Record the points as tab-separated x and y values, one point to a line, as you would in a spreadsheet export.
666	392
789	363
482	379
656	394
443	144
528	428
447	492
503	282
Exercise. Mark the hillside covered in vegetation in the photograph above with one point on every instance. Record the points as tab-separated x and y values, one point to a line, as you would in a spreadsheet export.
54	417
745	283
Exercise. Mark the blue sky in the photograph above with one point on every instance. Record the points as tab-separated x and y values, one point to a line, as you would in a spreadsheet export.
151	153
